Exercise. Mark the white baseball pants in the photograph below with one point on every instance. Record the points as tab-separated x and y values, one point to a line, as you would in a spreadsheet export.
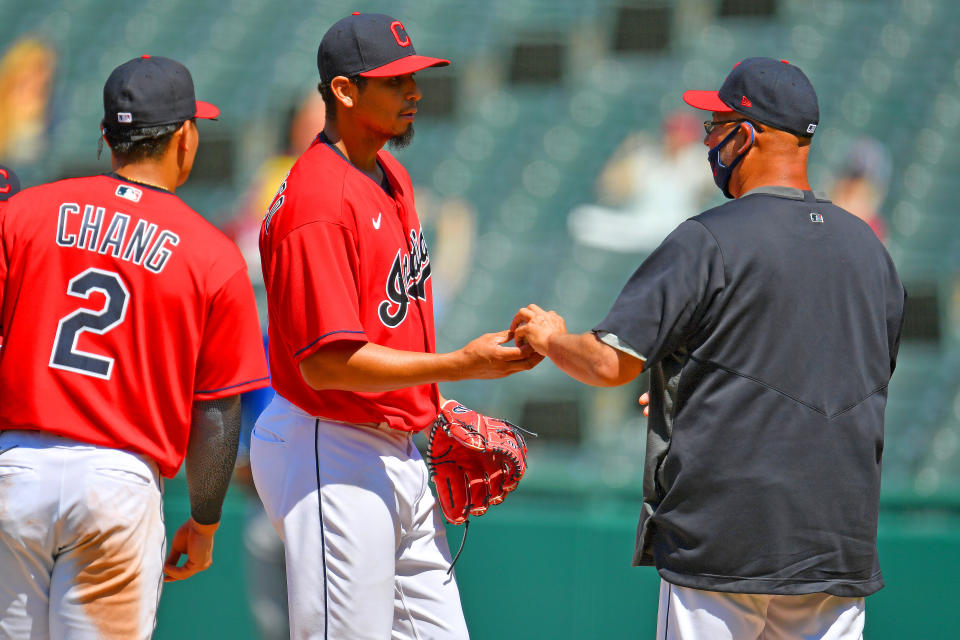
81	540
366	551
692	614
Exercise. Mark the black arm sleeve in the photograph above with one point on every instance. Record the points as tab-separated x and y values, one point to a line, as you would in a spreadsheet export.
211	455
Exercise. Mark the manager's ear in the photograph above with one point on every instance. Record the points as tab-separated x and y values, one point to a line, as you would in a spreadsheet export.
746	136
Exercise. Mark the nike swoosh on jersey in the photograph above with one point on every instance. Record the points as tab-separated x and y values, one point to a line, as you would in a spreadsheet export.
376	221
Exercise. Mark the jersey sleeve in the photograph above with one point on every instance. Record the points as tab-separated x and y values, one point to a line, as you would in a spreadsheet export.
231	359
314	288
667	299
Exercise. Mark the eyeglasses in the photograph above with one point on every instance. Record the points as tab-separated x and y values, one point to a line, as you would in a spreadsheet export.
710	125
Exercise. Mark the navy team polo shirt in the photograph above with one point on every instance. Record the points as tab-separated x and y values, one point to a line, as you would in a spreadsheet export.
770	326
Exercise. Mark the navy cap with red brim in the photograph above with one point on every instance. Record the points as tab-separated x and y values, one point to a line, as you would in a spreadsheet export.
151	91
706	100
765	90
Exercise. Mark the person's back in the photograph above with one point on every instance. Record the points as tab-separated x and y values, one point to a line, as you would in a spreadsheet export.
803	267
107	291
130	330
770	326
793	333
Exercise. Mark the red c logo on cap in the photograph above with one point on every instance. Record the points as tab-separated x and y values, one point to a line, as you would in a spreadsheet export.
399	33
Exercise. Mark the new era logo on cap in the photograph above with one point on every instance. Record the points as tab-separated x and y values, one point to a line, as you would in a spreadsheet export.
811	128
745	102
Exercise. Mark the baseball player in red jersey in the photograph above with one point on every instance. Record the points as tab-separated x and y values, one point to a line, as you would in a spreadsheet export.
130	328
352	355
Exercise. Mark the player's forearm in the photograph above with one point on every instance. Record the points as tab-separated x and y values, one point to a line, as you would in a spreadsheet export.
211	455
585	358
375	368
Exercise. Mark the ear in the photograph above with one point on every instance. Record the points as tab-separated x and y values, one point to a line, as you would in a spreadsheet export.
746	136
344	91
103	136
182	136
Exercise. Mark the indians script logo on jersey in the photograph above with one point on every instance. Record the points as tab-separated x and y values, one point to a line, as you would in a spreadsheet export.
407	280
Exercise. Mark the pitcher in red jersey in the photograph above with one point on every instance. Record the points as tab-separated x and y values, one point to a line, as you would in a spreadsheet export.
354	363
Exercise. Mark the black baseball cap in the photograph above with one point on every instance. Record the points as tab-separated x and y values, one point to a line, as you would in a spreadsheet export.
772	92
372	45
9	183
150	91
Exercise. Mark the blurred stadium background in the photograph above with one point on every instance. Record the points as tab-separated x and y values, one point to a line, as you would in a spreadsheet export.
514	134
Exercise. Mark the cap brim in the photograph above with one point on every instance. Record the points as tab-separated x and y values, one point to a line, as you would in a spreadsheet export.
207	111
403	66
706	100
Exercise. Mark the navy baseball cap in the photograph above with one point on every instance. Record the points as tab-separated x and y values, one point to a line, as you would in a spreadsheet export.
150	91
9	183
372	45
772	92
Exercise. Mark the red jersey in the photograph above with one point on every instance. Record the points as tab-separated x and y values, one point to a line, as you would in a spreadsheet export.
343	259
121	306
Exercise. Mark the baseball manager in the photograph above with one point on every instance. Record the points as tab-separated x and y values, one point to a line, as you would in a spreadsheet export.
770	326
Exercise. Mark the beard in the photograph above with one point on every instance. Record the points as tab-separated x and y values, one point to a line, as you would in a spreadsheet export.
402	140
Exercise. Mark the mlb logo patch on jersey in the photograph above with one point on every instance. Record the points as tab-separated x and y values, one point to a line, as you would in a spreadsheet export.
130	193
816	217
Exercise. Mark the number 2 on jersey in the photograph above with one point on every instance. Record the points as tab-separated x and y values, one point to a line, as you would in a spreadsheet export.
65	354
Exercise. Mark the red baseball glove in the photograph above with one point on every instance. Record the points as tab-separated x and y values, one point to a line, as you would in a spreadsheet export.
475	460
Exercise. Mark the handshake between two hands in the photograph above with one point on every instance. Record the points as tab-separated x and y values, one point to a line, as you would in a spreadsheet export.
489	356
532	328
532	331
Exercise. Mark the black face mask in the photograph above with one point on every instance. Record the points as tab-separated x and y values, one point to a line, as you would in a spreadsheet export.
721	173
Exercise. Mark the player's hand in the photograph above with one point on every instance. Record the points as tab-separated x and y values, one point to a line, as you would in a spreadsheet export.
534	327
644	401
195	541
490	357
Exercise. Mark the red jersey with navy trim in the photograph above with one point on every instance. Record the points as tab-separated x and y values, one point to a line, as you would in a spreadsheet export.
121	306
344	260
